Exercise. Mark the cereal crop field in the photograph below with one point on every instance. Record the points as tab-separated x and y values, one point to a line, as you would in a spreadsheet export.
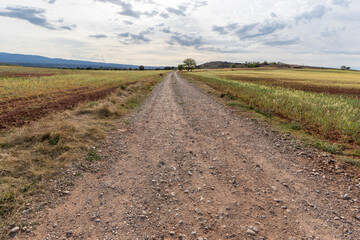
27	94
322	101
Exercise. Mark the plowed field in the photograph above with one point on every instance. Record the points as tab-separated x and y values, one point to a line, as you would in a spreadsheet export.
28	94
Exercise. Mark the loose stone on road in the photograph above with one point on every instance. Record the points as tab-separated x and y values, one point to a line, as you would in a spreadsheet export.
189	168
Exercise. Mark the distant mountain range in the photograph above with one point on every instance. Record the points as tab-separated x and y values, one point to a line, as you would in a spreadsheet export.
39	61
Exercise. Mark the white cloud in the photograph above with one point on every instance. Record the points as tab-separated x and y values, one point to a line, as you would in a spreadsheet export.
157	32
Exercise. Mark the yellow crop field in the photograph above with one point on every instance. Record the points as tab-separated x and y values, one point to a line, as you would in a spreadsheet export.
335	113
313	80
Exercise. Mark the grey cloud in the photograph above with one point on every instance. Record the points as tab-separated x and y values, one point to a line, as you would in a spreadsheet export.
199	4
317	13
179	11
342	52
330	32
34	16
246	28
141	37
225	29
220	30
164	15
51	1
127	9
71	27
282	42
250	31
151	14
269	28
186	40
221	50
128	38
159	28
128	22
146	1
259	30
98	36
343	3
166	30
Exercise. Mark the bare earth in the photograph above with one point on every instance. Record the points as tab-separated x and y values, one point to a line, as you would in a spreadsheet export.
189	168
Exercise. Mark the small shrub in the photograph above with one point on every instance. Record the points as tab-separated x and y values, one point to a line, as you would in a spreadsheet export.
92	104
92	155
328	147
295	126
266	112
228	95
352	161
357	152
104	112
54	139
7	197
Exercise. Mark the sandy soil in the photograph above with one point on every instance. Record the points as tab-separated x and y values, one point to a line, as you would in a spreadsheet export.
189	168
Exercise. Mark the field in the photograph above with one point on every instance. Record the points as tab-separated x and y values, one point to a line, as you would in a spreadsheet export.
28	94
322	102
32	152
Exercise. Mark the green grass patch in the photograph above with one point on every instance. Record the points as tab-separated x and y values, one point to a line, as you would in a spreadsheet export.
295	126
352	161
54	140
92	155
328	147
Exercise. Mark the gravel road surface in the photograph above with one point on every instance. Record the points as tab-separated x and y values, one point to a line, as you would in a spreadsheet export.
187	167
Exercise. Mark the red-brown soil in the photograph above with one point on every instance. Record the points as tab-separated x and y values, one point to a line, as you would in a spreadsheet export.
20	111
24	74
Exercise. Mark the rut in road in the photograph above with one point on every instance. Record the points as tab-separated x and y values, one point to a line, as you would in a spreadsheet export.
189	168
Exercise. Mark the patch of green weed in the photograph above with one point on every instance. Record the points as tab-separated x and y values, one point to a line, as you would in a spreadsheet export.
92	155
328	147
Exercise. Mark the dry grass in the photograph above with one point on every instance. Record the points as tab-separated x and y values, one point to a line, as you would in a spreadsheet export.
32	155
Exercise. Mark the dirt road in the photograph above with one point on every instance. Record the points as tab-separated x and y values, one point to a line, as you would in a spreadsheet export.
189	168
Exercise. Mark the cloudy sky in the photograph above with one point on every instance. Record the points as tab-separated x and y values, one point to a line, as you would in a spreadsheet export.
164	32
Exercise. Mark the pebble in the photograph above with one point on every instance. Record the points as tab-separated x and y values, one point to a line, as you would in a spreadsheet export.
346	197
26	211
14	230
251	232
254	229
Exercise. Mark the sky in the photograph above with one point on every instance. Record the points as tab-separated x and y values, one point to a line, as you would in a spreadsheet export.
164	32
